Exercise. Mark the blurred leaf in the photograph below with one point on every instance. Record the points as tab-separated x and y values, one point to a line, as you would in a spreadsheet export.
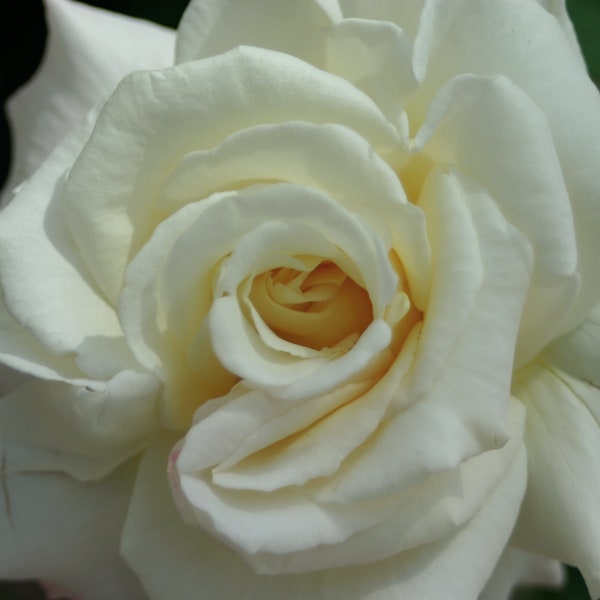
585	15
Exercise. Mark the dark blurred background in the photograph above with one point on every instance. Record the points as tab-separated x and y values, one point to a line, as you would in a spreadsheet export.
22	38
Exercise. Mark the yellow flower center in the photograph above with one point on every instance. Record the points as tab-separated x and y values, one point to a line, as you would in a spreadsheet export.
317	308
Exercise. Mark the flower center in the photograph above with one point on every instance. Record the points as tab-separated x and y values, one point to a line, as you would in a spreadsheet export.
317	308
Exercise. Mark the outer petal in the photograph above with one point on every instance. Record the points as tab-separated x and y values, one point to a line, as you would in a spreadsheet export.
376	56
176	561
56	426
525	43
404	14
558	8
533	198
578	352
210	27
560	516
54	528
89	51
47	293
516	568
21	350
10	379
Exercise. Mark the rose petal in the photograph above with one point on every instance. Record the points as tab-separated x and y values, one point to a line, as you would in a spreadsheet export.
174	560
145	123
454	352
10	379
457	131
558	8
516	568
451	203
210	27
294	529
290	381
560	515
376	56
404	14
245	421
55	528
45	283
526	44
55	426
373	54
168	296
578	352
21	350
329	158
89	51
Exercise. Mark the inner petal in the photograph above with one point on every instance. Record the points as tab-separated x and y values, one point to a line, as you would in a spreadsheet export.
316	308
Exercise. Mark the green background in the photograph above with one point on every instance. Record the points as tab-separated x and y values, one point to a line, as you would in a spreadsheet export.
586	18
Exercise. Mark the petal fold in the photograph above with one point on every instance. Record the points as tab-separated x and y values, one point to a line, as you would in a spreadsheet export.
53	426
210	27
89	50
48	293
560	516
67	532
578	352
224	94
534	199
517	568
496	39
174	560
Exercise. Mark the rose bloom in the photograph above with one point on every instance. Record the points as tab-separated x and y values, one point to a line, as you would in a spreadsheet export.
311	314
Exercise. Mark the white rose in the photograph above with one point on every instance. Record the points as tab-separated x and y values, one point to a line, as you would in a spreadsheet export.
316	277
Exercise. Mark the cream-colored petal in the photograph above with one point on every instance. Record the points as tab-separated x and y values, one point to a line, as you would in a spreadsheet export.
455	353
578	352
55	528
89	50
516	569
291	529
330	158
517	165
210	27
524	43
175	560
560	515
180	278
247	421
376	56
558	8
52	426
21	350
290	379
10	379
111	205
47	290
260	227
404	14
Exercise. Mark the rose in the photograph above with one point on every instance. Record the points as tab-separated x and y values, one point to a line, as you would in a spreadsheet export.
388	444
